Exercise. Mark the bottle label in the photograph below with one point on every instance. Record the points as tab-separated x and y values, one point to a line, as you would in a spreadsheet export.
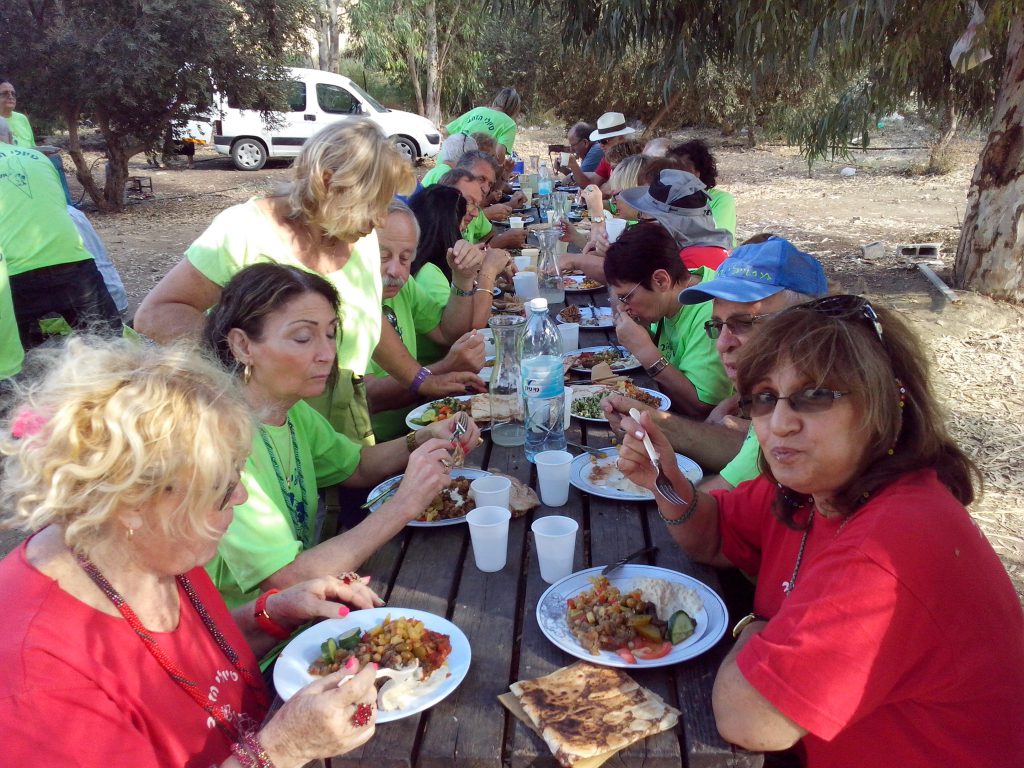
542	379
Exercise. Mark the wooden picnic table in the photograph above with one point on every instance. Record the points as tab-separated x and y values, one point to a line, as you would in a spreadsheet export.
432	569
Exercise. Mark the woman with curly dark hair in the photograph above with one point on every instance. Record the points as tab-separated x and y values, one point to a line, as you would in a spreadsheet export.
723	205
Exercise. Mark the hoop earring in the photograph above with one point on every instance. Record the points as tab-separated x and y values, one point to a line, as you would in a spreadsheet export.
131	532
246	373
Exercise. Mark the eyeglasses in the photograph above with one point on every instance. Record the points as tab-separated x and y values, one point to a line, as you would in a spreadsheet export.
12	94
625	299
738	325
232	487
847	307
483	180
810	400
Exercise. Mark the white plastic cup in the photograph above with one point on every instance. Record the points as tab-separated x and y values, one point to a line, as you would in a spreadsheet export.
613	228
531	253
515	222
553	476
521	262
552	215
569	335
555	537
526	285
488	530
564	158
491	491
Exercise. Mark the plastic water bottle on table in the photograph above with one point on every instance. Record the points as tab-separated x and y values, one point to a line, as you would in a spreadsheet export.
543	382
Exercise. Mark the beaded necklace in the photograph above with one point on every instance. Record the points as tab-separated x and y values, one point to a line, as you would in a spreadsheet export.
297	507
221	713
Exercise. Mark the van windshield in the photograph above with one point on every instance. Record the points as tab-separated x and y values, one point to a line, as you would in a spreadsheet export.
372	101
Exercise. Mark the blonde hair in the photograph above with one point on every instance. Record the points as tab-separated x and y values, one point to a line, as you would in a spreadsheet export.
626	174
345	176
112	425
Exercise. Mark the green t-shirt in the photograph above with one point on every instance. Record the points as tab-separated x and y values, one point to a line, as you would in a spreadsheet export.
35	228
434	175
685	344
22	130
723	210
11	352
416	313
486	120
263	537
432	282
744	466
479	228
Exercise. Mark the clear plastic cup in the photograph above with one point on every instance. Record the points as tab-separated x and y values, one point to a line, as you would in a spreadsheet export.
515	222
564	158
521	262
569	334
491	491
526	285
613	228
555	537
488	530
553	476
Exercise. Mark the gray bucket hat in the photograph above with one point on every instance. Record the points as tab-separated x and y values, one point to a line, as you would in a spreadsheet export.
688	226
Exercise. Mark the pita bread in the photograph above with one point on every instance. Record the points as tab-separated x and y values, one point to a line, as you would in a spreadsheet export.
522	498
482	408
585	710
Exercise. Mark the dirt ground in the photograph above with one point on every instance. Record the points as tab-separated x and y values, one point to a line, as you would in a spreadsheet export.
978	344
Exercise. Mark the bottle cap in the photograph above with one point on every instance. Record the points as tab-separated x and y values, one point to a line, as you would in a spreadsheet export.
538	305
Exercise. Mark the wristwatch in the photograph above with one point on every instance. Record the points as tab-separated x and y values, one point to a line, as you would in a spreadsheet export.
750	618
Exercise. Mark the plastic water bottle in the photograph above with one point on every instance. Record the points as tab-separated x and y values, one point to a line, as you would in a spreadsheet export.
545	186
543	382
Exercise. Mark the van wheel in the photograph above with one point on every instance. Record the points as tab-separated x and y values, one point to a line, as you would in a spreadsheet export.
407	147
248	154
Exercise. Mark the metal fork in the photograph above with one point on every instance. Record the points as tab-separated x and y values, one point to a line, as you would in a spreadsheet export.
662	483
461	425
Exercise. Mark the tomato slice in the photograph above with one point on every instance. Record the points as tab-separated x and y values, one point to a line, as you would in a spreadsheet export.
654	651
627	655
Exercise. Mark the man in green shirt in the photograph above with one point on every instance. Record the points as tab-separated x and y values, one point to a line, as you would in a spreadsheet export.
51	274
498	120
410	310
761	278
475	175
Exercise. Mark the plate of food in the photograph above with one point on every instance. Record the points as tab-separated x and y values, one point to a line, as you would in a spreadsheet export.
587	316
660	617
571	188
586	399
583	360
430	654
438	410
581	284
599	476
449	507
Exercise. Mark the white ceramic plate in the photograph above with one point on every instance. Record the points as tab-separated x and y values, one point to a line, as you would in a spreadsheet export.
622	364
579	475
526	220
664	403
574	284
592	317
711	620
392	482
291	670
419	410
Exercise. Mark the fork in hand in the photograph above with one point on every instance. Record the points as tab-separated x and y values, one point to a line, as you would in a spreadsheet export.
662	483
461	425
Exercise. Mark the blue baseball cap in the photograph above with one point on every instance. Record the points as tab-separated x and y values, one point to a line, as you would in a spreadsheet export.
759	270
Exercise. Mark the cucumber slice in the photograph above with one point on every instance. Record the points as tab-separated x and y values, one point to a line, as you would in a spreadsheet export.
332	649
680	627
349	640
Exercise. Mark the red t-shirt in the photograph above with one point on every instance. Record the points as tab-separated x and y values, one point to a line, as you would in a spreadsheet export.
80	689
902	643
697	256
604	170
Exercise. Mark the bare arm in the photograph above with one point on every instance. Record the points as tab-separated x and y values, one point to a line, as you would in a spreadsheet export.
175	307
742	714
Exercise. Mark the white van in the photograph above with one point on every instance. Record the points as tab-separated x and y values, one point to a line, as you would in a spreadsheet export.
317	99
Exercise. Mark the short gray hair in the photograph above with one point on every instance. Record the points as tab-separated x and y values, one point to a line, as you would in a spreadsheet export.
6	135
397	206
469	159
581	130
456	146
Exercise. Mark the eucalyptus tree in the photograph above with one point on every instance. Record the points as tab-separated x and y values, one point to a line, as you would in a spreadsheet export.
134	67
864	58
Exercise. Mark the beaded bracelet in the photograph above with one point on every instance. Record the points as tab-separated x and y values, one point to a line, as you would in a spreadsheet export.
691	507
251	740
459	292
417	382
244	756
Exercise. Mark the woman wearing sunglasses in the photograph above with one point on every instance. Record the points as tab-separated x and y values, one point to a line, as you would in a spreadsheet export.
276	327
885	631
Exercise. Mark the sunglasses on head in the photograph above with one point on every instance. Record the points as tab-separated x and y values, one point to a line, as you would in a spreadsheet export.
810	400
847	307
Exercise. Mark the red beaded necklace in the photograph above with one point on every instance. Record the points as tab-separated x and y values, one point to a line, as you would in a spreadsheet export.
218	713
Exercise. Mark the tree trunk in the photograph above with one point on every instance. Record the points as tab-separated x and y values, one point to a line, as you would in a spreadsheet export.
990	257
433	75
947	130
414	75
117	164
328	35
71	116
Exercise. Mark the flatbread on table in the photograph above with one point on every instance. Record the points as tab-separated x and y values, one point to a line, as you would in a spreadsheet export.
522	498
585	710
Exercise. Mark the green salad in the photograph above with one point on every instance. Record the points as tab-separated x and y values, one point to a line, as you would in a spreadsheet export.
588	407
